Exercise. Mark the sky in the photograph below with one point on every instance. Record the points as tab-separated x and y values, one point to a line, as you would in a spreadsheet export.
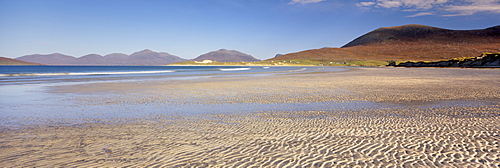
189	28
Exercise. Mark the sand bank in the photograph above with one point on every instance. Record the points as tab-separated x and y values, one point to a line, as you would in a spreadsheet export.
423	118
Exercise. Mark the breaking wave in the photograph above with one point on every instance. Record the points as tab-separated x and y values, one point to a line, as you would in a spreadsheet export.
298	70
234	69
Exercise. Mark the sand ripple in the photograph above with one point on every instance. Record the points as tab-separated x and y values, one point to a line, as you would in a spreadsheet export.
278	139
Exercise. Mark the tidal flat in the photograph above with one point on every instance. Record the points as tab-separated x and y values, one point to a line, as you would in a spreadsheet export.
367	117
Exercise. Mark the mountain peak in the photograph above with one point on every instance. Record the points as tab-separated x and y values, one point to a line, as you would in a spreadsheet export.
59	54
92	55
145	51
410	26
415	32
409	42
494	28
224	55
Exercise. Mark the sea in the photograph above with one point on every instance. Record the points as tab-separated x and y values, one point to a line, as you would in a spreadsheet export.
15	75
25	97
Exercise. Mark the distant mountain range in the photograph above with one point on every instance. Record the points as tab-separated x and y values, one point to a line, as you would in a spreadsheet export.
144	57
408	42
224	55
400	43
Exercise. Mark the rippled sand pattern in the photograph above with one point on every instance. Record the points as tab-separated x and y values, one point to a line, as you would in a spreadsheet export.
280	139
408	133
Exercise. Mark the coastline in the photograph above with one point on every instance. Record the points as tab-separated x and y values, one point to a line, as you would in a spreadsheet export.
372	116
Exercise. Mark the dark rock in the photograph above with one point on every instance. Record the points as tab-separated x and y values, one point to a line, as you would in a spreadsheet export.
486	60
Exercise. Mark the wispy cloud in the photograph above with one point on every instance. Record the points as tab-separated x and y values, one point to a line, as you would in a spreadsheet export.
431	7
305	1
421	14
476	6
418	4
365	4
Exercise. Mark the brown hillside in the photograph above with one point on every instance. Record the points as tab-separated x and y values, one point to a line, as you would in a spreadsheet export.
9	61
409	42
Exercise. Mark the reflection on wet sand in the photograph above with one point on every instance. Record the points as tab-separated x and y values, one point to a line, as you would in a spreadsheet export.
368	117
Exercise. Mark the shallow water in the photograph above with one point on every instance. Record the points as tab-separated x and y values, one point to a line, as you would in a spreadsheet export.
14	75
35	99
27	96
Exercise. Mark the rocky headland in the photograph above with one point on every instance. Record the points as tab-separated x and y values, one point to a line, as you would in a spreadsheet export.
486	60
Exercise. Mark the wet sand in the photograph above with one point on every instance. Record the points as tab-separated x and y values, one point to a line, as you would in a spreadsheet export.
423	118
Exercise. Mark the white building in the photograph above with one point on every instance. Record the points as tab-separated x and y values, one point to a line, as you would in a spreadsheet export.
204	62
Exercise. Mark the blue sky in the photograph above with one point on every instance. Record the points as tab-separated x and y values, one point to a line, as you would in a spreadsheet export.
189	28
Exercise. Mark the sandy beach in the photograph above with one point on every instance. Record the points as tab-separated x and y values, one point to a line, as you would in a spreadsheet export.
362	117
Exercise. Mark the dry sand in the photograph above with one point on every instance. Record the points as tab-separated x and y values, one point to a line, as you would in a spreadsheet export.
426	118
